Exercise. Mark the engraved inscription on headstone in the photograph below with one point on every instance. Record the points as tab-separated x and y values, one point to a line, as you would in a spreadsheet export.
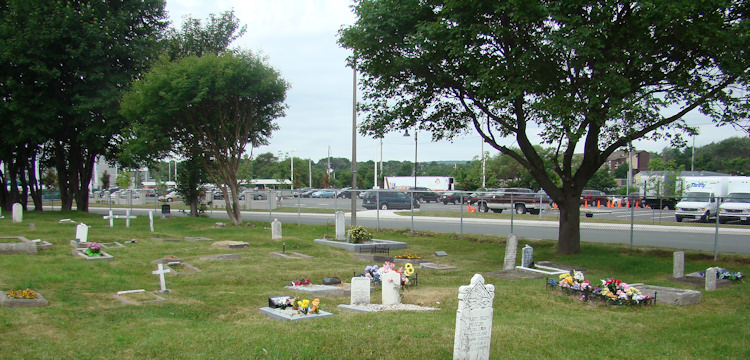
360	290
527	256
511	248
474	320
678	264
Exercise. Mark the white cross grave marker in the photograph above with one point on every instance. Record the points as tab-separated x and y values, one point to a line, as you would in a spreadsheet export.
161	271
128	217
111	218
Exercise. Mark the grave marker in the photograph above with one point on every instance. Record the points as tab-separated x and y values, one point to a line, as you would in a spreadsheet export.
111	218
340	226
360	290
276	229
441	253
678	264
151	220
474	320
711	279
391	283
161	271
17	213
511	249
82	233
128	217
527	256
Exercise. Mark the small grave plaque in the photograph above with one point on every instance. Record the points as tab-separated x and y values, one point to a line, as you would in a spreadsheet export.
474	320
331	281
441	253
360	289
291	315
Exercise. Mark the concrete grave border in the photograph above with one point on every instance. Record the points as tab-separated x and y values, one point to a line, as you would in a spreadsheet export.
222	257
291	255
322	290
81	253
190	269
157	298
276	315
390	244
8	302
112	245
22	246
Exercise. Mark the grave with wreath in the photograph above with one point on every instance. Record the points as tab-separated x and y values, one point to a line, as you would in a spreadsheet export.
92	252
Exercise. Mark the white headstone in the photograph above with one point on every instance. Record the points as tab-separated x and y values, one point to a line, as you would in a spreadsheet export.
711	278
17	215
276	229
511	249
474	320
340	226
678	264
360	289
151	220
161	271
527	256
127	217
82	233
391	284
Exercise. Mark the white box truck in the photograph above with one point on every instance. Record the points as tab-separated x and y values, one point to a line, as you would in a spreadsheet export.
736	206
702	195
435	183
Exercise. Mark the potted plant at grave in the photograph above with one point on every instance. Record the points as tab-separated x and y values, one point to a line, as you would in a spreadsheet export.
27	297
93	250
359	234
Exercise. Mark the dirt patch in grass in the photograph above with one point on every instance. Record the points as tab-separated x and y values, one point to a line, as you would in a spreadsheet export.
429	296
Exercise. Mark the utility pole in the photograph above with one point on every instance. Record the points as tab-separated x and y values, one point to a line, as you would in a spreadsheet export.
354	143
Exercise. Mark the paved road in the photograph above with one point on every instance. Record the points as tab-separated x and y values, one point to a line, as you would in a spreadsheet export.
736	240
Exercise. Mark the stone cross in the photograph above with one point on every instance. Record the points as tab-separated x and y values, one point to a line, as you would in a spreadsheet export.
340	226
276	229
711	278
17	214
82	233
391	283
527	256
151	220
360	289
474	320
511	249
678	264
128	217
161	271
111	219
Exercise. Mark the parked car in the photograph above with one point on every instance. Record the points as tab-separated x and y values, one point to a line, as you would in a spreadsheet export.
374	199
323	194
474	197
520	200
593	197
453	197
171	196
254	194
346	193
424	194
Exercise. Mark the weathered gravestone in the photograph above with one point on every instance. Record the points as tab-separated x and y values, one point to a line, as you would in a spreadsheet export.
360	290
340	226
711	278
17	213
151	220
474	320
391	284
161	271
82	233
511	248
678	264
276	229
527	256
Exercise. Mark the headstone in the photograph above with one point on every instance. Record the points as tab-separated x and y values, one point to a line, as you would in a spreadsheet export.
276	229
82	233
527	256
711	279
340	226
161	271
678	264
151	220
511	249
474	320
360	290
17	213
32	226
391	283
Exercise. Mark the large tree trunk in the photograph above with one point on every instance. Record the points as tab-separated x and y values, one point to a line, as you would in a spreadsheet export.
63	177
569	236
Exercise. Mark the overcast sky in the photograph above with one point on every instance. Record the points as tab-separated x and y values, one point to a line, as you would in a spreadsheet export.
299	39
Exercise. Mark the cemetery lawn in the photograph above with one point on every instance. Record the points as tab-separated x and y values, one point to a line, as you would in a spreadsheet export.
214	313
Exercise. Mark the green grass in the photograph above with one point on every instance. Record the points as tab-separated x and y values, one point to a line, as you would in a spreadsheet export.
214	313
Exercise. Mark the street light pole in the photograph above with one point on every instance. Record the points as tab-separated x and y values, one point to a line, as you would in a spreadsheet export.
354	143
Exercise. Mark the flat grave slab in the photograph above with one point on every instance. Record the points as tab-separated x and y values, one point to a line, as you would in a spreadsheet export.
181	268
137	297
291	255
412	261
40	244
197	238
231	244
441	253
167	259
291	315
697	280
381	307
164	239
8	302
373	257
392	245
514	275
322	290
560	266
222	257
112	245
17	245
82	253
544	270
433	266
670	295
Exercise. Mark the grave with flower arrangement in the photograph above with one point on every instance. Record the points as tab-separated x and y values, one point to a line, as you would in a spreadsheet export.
18	298
307	286
698	278
92	252
612	291
286	308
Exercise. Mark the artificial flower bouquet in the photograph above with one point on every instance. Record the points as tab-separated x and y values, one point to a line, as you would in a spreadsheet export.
21	294
722	273
408	256
306	307
93	249
359	234
300	282
613	291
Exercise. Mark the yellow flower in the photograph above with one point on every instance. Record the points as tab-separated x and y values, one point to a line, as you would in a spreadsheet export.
408	269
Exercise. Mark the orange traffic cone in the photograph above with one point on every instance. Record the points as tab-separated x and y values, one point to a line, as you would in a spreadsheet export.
554	205
586	205
468	208
619	204
598	204
648	207
637	205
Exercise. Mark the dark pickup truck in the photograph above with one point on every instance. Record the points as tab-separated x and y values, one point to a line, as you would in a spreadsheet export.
519	199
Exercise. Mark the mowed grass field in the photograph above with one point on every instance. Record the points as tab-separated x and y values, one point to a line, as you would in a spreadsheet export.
214	313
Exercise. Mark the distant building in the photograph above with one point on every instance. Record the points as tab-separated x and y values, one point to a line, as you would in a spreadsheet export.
639	162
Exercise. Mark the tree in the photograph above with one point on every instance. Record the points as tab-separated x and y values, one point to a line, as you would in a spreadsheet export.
190	180
211	107
105	180
123	180
602	180
578	74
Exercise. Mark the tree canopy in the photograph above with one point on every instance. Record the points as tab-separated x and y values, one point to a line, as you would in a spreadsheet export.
579	76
